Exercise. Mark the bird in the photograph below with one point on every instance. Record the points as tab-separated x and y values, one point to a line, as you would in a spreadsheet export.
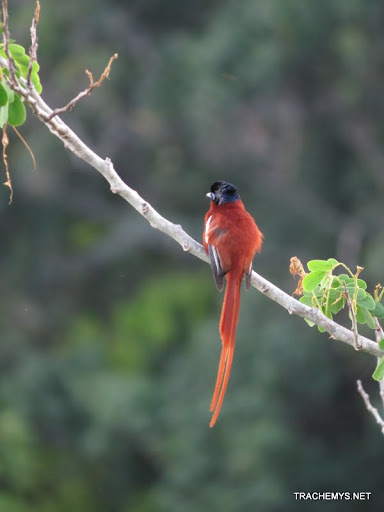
231	238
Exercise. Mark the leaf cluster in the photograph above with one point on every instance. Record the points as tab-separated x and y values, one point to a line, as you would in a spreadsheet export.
12	109
330	293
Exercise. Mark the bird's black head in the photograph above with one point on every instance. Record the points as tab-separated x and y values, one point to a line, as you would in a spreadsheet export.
223	192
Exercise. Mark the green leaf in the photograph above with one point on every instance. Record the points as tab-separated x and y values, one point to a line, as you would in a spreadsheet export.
3	96
335	308
35	67
326	281
367	302
362	284
318	292
311	280
333	295
379	310
336	283
307	300
351	289
22	62
378	374
339	281
10	93
333	261
19	55
16	112
3	115
24	69
35	79
326	313
336	301
360	317
381	344
369	318
361	296
16	50
319	265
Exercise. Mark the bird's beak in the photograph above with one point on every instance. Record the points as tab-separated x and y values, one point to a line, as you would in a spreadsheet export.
209	195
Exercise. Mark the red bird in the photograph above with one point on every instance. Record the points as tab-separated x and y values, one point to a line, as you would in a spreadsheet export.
231	238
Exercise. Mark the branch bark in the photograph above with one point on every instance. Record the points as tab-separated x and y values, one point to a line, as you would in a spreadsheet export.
105	167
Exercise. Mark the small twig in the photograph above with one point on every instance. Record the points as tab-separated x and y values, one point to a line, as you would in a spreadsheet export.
353	317
92	84
369	406
11	66
26	145
34	43
8	183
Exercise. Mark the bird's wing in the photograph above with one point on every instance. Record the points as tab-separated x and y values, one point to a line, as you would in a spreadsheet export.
216	267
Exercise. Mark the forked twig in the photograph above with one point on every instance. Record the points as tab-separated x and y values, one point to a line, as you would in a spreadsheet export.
92	85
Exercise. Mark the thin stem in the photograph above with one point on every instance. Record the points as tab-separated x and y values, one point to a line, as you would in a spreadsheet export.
369	406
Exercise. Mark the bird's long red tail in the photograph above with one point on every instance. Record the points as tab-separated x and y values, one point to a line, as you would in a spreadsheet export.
228	324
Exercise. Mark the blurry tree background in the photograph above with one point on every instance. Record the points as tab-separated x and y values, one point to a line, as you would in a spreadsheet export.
109	332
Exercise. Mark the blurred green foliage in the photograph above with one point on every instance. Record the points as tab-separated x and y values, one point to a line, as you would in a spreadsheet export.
109	332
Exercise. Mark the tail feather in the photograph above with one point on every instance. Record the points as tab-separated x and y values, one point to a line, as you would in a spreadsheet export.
219	379
228	324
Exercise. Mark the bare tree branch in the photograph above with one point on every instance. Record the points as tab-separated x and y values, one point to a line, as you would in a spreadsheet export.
105	167
369	406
